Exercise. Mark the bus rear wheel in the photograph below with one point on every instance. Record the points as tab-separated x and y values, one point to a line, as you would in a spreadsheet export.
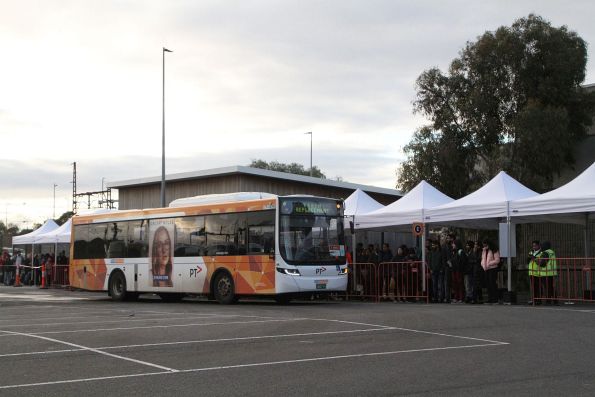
117	286
224	289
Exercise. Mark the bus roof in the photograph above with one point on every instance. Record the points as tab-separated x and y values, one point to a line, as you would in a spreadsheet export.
220	198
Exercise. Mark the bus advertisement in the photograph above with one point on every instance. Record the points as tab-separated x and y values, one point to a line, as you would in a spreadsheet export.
222	246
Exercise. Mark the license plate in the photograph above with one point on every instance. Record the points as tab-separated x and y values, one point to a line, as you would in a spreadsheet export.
320	286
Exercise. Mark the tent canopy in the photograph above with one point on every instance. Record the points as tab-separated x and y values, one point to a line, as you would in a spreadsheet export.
359	203
484	207
571	203
59	235
405	211
29	238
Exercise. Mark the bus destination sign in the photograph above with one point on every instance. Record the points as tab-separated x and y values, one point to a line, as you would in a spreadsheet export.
309	207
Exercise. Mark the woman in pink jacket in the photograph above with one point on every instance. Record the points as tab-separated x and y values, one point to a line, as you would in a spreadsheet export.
490	261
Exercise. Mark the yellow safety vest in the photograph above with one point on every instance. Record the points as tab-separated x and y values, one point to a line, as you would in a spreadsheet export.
551	268
534	269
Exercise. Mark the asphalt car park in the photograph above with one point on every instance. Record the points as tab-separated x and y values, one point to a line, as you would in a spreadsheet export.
57	343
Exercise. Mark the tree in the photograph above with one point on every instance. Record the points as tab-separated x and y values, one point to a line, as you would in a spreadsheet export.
511	101
292	168
64	218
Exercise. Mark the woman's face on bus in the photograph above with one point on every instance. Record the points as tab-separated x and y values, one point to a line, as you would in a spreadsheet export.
163	244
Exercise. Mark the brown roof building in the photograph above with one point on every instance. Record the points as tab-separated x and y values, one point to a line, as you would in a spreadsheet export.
145	192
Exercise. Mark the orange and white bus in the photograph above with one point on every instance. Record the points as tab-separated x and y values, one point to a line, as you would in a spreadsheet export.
223	246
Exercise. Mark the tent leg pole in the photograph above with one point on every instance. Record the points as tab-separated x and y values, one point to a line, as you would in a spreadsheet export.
587	237
353	243
509	258
423	260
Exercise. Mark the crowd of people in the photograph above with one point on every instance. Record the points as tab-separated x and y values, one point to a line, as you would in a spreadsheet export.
458	273
29	267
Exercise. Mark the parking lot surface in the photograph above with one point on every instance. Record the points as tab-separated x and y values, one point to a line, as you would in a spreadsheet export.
57	343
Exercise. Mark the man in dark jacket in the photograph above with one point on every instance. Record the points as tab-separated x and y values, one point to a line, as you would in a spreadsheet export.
437	269
446	252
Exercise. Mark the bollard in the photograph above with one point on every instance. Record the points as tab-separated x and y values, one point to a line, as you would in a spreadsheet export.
43	276
17	279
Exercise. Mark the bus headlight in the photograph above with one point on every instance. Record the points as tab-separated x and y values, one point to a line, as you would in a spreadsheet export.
291	272
344	271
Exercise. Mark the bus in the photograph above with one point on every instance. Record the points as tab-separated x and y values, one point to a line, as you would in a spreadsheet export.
223	246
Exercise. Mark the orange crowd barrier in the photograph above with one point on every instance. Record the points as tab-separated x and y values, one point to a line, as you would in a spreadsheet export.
574	282
363	281
402	281
59	276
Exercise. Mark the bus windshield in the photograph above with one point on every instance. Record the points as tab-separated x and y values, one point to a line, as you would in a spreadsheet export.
311	232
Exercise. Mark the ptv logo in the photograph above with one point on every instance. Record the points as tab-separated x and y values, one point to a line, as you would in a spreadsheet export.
320	270
194	272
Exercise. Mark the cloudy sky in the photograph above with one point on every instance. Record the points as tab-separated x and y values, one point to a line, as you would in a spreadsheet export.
81	81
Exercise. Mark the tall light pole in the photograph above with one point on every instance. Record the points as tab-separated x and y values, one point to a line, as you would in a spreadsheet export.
310	133
163	131
54	216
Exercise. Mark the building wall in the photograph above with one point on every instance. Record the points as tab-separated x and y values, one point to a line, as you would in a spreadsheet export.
148	196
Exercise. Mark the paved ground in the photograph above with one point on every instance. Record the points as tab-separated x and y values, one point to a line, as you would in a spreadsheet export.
58	343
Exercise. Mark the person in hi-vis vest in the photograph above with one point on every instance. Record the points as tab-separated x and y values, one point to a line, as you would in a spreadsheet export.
534	272
548	266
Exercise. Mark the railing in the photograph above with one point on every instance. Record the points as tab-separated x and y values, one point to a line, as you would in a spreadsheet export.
363	282
394	281
59	276
401	281
574	282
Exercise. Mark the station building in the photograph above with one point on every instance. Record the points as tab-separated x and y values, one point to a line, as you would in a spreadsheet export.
145	192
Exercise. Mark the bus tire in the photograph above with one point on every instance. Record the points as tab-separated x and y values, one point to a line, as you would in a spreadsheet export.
117	286
171	297
224	289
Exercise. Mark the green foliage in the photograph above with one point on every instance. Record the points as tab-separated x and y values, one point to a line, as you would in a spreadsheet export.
292	168
511	101
64	218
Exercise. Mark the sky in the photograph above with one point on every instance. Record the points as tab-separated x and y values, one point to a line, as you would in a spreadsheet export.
81	81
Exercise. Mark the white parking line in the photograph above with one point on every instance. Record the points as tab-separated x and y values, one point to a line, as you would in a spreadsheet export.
413	330
156	327
199	341
248	365
126	319
92	350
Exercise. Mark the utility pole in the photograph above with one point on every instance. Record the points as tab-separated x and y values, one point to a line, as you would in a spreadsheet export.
310	133
54	214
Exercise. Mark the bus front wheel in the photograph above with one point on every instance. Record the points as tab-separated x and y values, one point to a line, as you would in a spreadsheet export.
224	289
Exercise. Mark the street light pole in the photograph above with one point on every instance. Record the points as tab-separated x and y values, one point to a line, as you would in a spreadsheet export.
54	216
163	131
310	133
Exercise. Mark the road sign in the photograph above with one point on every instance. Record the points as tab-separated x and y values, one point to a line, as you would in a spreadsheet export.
418	229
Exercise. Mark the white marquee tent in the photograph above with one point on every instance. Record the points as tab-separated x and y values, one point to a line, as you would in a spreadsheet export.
29	238
407	210
402	213
359	203
485	207
60	235
571	203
